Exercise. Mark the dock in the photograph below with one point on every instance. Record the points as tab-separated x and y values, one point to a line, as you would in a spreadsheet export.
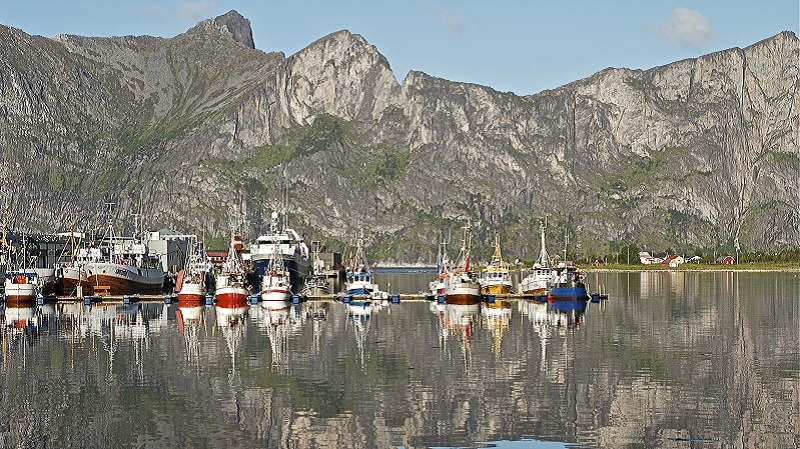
339	297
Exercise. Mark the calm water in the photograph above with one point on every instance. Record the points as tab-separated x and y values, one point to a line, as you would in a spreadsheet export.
671	360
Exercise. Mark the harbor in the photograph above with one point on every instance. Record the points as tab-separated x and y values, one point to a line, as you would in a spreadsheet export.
275	267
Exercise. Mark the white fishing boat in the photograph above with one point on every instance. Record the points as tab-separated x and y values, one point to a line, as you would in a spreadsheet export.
21	287
289	247
126	267
462	287
73	271
540	274
232	287
438	286
317	281
70	271
275	283
495	278
359	275
191	282
21	282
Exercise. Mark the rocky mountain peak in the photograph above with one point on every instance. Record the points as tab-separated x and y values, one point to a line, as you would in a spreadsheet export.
232	23
346	46
340	74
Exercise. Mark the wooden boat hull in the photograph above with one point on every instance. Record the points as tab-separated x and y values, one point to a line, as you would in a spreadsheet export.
69	286
464	300
536	282
463	292
359	291
276	287
121	279
20	293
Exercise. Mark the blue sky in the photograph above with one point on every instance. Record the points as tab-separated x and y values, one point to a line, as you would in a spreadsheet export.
523	46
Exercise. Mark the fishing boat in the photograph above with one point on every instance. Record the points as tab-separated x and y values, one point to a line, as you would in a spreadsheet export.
21	287
275	283
539	276
287	246
73	270
125	267
462	287
232	287
316	285
567	283
191	282
317	281
21	260
495	278
359	275
438	286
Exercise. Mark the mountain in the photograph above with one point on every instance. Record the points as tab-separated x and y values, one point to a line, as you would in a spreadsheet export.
202	127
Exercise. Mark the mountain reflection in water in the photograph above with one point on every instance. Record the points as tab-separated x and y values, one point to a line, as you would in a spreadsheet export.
670	360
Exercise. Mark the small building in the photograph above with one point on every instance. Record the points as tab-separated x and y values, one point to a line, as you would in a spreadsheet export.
217	256
673	261
170	247
726	260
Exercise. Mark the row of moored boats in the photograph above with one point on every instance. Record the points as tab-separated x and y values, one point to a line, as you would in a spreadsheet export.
458	283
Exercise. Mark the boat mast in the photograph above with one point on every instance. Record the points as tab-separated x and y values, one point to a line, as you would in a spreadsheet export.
498	256
544	258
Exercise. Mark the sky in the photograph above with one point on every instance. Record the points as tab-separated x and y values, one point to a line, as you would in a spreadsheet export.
521	46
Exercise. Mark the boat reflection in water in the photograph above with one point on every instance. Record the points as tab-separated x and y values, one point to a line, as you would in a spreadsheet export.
316	310
21	329
458	322
359	318
276	319
20	317
496	318
231	319
134	321
569	312
561	313
190	316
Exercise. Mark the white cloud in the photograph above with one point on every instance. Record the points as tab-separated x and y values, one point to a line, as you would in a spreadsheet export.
453	21
194	11
687	28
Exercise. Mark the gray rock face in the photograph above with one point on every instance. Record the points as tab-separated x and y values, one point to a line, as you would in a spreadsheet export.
689	155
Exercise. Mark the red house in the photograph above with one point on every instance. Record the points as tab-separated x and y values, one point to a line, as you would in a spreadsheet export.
726	260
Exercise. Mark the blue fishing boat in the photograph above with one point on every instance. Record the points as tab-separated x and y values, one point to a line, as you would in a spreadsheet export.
567	283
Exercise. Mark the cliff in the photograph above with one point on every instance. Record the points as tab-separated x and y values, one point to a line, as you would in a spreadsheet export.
200	127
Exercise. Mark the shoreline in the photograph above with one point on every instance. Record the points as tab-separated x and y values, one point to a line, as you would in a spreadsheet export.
712	268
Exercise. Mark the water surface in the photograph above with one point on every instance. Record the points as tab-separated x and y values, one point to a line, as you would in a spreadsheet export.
680	360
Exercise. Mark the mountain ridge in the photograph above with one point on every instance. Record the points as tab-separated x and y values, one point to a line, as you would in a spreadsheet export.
686	156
